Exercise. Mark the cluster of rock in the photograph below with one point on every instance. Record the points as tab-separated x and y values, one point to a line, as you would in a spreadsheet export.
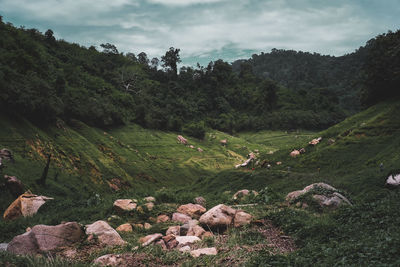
326	196
43	239
193	218
183	140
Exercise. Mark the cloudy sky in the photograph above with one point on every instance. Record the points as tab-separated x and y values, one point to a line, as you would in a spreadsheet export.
206	30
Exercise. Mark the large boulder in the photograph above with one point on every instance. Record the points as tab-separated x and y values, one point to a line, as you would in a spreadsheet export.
203	251
296	194
324	194
180	217
123	205
105	234
25	205
44	238
192	210
222	216
218	216
332	201
14	185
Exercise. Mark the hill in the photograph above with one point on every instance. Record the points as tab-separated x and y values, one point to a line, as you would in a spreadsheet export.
351	164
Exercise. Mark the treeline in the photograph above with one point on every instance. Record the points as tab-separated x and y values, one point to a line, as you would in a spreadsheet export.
44	79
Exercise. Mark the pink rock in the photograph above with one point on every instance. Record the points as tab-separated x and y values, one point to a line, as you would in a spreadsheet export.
179	217
192	210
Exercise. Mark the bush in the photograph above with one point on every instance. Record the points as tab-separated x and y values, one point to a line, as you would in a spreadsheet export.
195	129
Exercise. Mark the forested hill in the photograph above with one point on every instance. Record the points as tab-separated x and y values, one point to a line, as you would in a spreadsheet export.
47	80
304	71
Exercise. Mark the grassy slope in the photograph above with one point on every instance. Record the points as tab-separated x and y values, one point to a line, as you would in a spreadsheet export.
350	164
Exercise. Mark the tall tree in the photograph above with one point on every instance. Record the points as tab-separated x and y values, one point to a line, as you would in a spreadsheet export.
171	59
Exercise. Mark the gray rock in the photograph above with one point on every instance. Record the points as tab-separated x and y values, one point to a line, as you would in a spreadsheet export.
3	246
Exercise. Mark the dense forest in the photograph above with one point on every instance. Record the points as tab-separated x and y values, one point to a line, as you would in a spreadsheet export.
46	80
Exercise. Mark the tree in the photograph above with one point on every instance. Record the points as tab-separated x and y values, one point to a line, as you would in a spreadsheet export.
109	49
142	59
154	63
129	78
171	58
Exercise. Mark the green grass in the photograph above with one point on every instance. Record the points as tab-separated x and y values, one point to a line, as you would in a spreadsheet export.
155	164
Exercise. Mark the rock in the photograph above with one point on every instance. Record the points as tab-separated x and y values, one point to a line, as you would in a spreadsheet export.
279	163
174	230
117	184
296	194
182	140
105	233
186	226
124	205
331	141
302	150
333	201
191	146
179	217
223	142
196	230
44	238
184	249
244	192
147	240
186	240
3	246
207	234
14	185
294	153
201	201
114	260
162	218
200	150
138	225
147	226
149	199
218	216
126	227
6	154
393	180
170	241
315	141
149	205
241	218
192	210
162	244
203	251
25	205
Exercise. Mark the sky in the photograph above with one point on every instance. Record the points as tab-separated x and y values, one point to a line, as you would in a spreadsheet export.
207	30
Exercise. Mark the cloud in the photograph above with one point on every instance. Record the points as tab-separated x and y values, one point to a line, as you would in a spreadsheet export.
206	29
183	2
